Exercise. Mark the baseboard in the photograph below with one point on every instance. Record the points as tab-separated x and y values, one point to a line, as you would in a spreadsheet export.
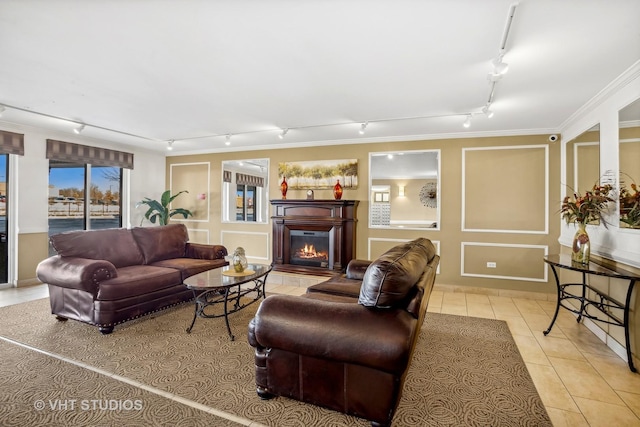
508	293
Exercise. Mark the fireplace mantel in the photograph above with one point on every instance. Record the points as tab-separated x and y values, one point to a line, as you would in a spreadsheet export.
338	217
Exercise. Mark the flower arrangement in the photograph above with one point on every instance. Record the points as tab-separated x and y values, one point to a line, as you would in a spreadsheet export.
588	208
630	206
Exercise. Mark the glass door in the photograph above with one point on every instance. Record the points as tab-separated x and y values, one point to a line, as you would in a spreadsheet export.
66	198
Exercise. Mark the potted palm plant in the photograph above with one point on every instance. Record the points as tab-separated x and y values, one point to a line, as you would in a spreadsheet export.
159	211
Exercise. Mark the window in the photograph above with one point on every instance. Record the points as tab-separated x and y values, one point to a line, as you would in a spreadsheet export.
245	199
83	197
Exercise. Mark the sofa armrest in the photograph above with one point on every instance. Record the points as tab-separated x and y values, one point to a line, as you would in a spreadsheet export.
75	273
202	251
356	268
346	332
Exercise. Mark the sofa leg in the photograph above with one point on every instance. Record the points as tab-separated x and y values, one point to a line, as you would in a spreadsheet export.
264	394
106	330
61	319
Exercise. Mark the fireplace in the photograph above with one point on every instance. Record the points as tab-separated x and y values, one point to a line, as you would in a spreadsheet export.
310	248
313	236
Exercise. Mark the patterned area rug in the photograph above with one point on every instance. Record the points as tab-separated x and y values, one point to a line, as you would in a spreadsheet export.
466	372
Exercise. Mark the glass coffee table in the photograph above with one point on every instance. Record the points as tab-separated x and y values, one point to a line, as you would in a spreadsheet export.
220	292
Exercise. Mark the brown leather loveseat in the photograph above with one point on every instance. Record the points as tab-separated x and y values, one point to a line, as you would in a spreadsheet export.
347	343
106	277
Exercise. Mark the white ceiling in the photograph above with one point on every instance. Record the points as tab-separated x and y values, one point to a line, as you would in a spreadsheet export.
194	71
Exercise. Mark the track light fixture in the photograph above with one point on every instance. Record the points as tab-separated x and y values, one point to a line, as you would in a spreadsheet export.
500	67
2	110
487	111
467	122
227	139
284	133
170	144
79	129
363	126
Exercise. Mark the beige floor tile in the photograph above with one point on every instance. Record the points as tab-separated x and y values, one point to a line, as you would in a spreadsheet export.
480	310
548	307
540	323
616	373
458	310
582	380
504	308
494	299
632	400
550	388
454	298
435	300
601	414
518	326
557	347
436	309
587	342
529	306
561	418
477	299
530	350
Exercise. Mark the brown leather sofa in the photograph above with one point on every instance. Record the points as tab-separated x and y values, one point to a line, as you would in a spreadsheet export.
347	343
106	277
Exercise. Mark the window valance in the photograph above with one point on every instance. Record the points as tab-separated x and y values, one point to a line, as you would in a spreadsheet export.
226	176
11	143
244	179
77	153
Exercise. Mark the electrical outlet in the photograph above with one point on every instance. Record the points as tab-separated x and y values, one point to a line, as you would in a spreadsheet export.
491	265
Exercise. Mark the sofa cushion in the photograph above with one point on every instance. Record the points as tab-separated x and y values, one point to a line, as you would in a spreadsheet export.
138	280
338	285
115	245
160	243
189	266
389	279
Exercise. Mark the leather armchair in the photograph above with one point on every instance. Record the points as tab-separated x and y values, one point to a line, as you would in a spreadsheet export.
347	344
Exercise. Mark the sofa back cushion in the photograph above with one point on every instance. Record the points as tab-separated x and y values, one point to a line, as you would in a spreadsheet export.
390	279
160	243
115	245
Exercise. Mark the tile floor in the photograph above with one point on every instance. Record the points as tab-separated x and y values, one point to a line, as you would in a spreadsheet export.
580	380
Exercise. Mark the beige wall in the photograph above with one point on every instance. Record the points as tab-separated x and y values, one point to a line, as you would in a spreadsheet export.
512	195
32	248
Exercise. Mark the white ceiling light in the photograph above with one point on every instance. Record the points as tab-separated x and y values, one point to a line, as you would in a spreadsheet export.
2	110
170	144
78	129
467	122
487	111
227	140
284	133
363	126
500	67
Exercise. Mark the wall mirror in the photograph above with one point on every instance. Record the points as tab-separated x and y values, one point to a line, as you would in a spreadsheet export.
583	162
245	191
629	146
404	189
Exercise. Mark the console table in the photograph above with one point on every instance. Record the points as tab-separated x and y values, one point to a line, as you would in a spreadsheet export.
602	302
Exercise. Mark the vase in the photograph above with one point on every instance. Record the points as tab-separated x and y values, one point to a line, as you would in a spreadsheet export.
581	249
284	187
239	260
337	191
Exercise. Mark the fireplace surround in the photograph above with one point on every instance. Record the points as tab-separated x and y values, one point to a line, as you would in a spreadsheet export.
326	227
